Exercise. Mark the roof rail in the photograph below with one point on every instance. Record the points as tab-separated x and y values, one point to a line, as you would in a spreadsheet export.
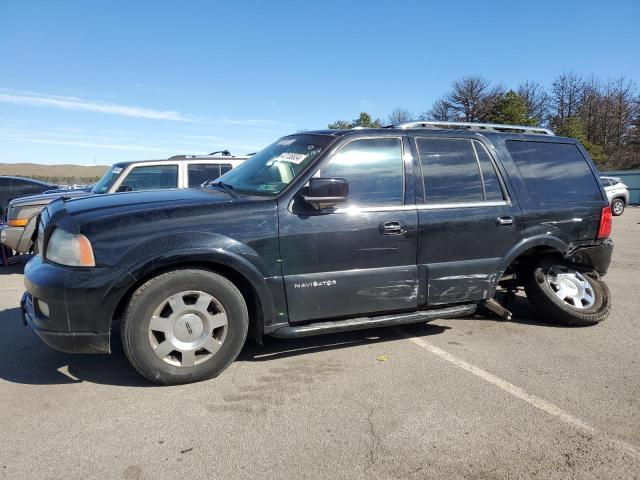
475	126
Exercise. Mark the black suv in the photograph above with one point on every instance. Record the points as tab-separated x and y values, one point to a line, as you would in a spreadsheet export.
321	232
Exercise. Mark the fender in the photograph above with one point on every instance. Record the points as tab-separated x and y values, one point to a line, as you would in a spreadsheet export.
521	247
183	248
531	242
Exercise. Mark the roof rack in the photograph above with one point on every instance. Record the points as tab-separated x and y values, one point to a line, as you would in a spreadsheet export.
475	126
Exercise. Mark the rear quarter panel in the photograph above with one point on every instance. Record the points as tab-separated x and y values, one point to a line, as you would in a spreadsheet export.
567	221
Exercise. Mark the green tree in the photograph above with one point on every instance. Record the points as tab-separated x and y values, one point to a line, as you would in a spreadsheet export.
574	127
511	109
364	120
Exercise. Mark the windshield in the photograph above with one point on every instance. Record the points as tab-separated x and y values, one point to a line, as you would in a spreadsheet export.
270	170
108	179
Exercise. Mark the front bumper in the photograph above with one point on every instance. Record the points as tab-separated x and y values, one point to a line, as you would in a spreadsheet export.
79	303
70	342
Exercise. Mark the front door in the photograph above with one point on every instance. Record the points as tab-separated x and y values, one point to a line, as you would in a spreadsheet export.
359	257
467	222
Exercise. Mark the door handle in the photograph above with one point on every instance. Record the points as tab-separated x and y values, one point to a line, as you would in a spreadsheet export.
392	228
505	221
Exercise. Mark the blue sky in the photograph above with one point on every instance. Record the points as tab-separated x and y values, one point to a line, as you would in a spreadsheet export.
101	81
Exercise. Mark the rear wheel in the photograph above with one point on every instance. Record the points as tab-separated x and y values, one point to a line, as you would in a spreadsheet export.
184	326
617	207
566	294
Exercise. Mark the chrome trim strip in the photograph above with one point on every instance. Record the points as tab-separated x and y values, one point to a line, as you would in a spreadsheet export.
434	206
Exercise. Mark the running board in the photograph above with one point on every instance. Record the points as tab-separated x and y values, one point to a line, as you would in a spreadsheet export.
372	322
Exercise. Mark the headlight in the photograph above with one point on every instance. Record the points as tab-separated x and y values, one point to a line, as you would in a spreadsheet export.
68	249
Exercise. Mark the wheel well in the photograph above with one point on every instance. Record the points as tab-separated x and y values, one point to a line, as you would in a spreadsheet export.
251	297
619	198
525	259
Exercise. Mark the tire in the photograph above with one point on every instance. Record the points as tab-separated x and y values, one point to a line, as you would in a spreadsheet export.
174	329
617	207
544	295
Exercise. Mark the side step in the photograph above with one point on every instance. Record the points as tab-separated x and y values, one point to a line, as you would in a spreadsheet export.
372	322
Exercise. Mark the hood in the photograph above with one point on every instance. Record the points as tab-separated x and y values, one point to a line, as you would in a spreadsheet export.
45	198
137	207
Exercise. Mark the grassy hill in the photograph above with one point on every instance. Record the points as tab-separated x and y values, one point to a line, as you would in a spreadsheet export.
57	174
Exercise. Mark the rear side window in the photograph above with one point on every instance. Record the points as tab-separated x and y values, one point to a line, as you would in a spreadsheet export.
23	188
373	167
151	177
201	172
457	170
554	172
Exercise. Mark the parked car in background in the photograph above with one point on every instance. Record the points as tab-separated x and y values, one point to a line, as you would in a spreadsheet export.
617	193
322	232
15	187
181	171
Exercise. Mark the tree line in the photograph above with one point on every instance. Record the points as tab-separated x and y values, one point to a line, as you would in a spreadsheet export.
603	115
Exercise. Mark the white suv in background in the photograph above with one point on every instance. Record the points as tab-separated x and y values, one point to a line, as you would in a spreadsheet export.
180	171
617	193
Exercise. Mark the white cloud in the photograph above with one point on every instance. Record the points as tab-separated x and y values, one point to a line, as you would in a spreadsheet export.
35	99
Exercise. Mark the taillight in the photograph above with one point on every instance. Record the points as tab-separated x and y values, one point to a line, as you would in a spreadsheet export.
605	223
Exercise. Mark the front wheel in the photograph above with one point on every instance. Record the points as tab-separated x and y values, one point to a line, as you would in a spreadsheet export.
617	207
184	326
566	295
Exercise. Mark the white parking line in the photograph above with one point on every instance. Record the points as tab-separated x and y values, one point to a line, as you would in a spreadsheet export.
518	392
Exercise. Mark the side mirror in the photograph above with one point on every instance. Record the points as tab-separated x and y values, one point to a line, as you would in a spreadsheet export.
326	192
125	188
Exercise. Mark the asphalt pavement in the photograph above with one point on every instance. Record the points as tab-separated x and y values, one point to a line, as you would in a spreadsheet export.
456	398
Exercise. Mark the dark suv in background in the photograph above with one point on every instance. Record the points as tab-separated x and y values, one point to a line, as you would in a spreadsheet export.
321	232
15	187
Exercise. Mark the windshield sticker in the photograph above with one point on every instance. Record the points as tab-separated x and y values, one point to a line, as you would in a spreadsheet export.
290	157
268	187
116	170
286	142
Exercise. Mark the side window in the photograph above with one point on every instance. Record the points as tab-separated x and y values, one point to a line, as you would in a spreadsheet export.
450	172
20	188
554	172
151	177
373	167
200	173
225	168
492	188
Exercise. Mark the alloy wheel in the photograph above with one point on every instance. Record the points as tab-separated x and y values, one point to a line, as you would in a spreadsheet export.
570	286
188	328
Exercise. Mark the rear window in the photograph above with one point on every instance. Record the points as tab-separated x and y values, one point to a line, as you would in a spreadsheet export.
554	172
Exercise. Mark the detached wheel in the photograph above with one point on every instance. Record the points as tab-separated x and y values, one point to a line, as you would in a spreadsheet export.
184	326
567	295
617	207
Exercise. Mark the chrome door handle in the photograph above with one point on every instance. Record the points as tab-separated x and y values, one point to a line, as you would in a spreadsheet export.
505	221
392	228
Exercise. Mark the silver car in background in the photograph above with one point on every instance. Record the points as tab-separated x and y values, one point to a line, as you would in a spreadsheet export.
617	193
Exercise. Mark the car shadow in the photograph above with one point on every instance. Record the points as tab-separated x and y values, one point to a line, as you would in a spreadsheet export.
274	348
24	359
525	314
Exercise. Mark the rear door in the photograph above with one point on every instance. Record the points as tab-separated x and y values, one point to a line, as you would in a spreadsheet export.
359	258
466	222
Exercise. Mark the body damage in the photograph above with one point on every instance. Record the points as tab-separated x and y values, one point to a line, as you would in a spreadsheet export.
302	265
